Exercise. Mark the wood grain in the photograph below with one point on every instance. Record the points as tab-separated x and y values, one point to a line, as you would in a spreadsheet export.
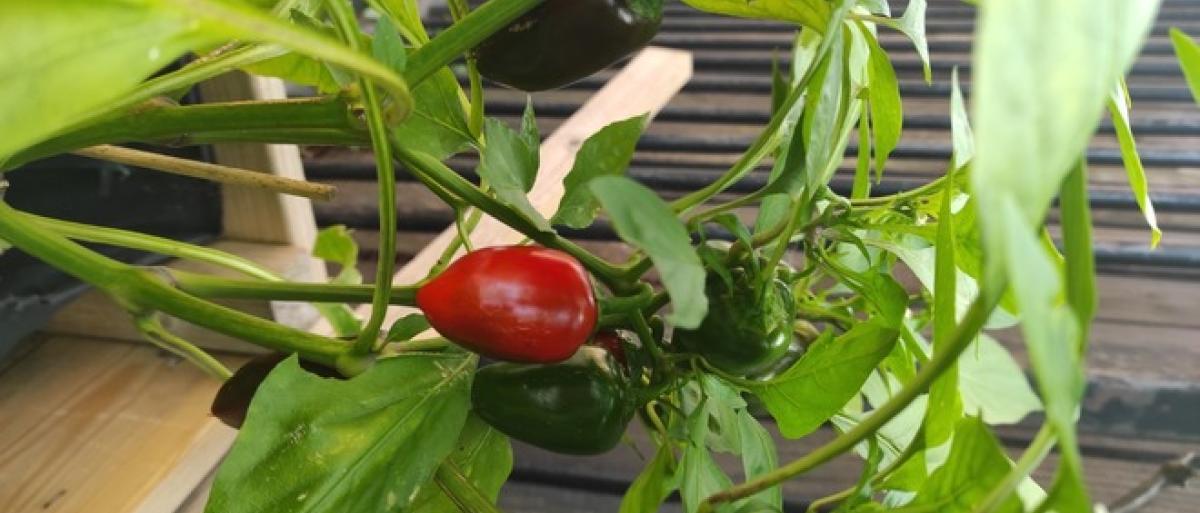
97	426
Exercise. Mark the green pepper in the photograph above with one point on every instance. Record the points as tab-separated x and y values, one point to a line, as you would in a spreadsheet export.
580	406
748	328
561	41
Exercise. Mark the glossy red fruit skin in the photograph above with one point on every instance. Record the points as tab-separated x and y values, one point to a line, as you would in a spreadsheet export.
514	303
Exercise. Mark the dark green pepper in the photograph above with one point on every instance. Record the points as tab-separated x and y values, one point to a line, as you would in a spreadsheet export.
580	406
561	41
747	330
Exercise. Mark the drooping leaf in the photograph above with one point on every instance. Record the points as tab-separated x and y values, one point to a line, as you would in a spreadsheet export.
509	163
758	457
993	385
59	59
651	487
1188	53
912	23
313	444
606	152
1119	112
483	454
887	113
945	404
976	463
829	374
810	13
961	137
642	219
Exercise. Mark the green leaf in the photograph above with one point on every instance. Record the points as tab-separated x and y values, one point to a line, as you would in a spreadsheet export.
387	47
976	463
652	487
863	489
335	244
701	477
438	123
824	112
643	220
407	327
61	59
912	24
829	374
312	444
1080	265
758	457
606	152
1119	112
810	13
1189	59
509	163
887	113
945	404
483	454
961	137
993	385
302	69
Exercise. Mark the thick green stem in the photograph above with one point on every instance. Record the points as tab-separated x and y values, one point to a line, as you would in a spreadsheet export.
967	330
141	291
473	29
161	337
167	123
205	286
436	172
343	15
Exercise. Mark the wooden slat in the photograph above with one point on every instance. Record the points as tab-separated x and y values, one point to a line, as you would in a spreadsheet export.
98	426
254	215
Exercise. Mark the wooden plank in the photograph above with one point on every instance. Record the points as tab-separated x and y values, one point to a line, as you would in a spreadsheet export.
99	426
646	84
253	215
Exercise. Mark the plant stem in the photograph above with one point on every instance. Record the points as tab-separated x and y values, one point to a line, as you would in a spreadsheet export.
161	337
460	9
473	29
971	323
343	15
141	291
152	244
255	24
1030	459
766	143
205	286
436	172
208	171
924	190
461	491
171	124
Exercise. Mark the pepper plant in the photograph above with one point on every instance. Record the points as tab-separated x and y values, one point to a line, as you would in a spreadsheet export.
786	320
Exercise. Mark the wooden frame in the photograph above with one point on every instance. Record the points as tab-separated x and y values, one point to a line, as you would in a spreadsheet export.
121	428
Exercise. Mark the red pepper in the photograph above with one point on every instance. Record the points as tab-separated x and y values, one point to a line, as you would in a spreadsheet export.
517	303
